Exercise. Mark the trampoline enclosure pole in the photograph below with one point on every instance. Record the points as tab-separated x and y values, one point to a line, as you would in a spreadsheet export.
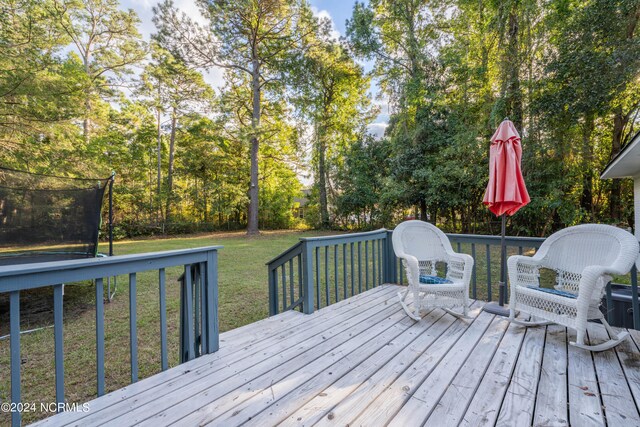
113	174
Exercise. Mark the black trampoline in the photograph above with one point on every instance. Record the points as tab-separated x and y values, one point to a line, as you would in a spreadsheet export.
51	218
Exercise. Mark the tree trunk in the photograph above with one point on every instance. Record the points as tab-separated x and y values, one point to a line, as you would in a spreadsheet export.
619	123
322	179
423	210
172	146
513	93
586	198
86	123
159	160
252	220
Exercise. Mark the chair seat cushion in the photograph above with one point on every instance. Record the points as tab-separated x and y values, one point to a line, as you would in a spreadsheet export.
433	280
554	292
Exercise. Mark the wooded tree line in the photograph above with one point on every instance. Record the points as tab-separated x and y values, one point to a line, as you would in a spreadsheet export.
566	72
82	94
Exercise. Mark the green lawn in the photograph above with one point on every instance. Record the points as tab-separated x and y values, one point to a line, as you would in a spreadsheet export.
243	300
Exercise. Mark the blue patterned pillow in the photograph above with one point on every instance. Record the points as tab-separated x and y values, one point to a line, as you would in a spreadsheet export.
433	280
554	292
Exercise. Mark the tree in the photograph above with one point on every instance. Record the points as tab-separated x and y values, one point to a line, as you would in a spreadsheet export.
331	90
248	37
176	90
594	39
38	88
107	41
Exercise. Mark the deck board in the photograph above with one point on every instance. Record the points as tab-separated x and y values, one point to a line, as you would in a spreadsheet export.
551	401
364	362
585	405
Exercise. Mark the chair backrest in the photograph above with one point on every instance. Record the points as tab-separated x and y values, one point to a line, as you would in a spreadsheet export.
424	241
574	248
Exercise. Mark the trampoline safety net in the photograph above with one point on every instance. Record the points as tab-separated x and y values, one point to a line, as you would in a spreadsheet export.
48	218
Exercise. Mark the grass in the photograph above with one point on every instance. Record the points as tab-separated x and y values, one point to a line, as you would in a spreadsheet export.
243	299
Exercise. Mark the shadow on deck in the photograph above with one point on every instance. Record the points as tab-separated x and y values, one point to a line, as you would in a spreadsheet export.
364	362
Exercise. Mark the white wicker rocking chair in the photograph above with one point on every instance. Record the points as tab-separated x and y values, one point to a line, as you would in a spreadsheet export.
584	258
420	246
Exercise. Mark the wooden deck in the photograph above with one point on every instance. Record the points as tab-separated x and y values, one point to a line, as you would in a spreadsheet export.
364	362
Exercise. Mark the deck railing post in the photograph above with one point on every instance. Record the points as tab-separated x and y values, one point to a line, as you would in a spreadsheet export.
390	262
307	278
635	305
273	291
212	328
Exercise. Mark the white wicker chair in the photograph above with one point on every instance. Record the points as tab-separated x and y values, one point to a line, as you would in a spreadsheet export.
420	246
584	258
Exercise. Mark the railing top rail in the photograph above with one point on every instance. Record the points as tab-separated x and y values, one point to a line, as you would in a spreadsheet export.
31	276
477	238
338	236
285	253
24	269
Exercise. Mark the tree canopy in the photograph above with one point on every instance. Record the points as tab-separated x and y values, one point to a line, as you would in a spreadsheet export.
82	94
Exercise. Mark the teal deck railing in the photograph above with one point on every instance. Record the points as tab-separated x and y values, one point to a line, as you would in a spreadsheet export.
316	272
319	271
200	336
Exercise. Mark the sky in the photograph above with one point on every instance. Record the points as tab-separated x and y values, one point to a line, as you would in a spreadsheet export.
337	10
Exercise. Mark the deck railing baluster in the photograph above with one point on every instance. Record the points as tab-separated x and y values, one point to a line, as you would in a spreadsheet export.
359	267
366	264
344	269
204	338
380	270
292	296
326	276
474	286
318	301
133	328
374	266
353	277
100	336
59	341
300	292
488	249
14	342
196	304
284	288
335	271
164	357
635	306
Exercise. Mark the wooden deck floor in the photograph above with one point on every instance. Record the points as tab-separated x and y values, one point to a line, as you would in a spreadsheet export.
363	362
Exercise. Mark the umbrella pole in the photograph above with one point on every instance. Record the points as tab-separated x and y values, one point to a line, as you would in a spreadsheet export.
499	308
503	261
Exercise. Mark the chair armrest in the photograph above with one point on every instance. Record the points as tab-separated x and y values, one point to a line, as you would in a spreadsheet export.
413	268
590	287
523	270
460	266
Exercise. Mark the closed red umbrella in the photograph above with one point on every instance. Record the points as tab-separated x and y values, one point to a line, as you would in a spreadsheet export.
506	191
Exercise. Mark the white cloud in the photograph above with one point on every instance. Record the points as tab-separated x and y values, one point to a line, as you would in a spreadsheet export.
191	10
324	14
214	76
377	129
